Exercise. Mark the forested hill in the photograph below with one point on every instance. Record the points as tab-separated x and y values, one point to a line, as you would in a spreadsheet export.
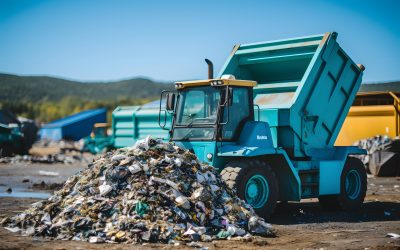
43	88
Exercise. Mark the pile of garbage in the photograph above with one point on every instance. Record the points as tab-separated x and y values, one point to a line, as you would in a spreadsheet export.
152	192
49	159
372	145
383	155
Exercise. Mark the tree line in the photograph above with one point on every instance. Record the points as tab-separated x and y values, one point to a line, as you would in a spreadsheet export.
47	111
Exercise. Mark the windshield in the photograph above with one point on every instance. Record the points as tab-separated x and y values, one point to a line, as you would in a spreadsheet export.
198	106
196	115
197	112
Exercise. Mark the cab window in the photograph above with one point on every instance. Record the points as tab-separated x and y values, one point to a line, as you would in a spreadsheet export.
239	113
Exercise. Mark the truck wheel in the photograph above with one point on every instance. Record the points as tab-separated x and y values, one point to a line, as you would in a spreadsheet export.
23	149
5	150
353	187
254	182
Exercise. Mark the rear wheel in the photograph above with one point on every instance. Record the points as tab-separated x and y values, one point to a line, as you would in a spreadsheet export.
353	188
254	182
5	150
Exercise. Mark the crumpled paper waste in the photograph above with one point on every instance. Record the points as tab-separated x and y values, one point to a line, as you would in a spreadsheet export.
151	192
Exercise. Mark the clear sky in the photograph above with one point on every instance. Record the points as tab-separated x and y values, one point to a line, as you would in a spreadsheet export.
168	40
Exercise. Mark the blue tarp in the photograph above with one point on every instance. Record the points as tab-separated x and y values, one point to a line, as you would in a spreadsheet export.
73	127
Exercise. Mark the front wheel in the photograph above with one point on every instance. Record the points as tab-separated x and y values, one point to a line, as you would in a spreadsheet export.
254	182
353	187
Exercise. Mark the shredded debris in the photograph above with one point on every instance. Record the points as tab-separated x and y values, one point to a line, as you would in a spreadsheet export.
49	159
393	235
152	192
47	186
48	173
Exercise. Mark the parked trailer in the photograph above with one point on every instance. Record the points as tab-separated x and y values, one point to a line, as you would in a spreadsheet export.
270	120
133	123
129	124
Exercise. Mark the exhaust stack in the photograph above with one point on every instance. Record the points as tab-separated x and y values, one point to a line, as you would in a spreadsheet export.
210	69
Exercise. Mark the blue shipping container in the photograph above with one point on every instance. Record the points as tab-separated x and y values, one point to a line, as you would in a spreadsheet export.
73	127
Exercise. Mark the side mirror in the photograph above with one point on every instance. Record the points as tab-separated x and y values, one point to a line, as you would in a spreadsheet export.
170	105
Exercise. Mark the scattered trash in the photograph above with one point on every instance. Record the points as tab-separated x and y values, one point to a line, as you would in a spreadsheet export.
48	173
47	186
152	192
393	236
25	180
9	190
49	159
13	229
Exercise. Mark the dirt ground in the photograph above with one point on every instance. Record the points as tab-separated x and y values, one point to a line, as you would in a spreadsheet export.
299	225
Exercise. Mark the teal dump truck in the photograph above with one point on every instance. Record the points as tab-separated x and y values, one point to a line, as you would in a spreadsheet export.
11	140
129	124
269	122
99	140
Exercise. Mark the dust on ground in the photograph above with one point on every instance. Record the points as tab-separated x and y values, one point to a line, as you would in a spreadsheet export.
299	225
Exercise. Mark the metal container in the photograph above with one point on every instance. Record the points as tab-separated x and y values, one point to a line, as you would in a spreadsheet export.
73	127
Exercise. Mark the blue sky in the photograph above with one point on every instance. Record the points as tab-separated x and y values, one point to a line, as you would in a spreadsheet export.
168	40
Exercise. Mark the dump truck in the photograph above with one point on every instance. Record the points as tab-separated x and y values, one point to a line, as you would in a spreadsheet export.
99	140
11	140
17	134
269	122
129	124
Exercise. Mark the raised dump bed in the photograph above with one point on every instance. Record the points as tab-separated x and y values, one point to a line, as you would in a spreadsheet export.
305	88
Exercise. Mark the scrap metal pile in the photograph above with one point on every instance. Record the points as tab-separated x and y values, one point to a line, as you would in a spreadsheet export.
372	145
383	155
152	192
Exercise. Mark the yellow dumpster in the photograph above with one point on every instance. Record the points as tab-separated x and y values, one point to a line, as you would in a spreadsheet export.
369	120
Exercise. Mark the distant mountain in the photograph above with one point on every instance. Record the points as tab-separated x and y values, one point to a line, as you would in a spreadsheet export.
43	88
380	87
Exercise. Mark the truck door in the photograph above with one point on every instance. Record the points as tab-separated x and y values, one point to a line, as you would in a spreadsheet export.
240	111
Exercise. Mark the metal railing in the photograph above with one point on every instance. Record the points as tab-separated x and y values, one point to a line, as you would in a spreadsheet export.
396	105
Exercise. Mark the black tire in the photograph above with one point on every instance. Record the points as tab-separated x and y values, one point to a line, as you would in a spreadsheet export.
5	150
344	200
23	149
236	175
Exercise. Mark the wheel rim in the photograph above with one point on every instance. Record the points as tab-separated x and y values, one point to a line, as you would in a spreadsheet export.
257	191
353	184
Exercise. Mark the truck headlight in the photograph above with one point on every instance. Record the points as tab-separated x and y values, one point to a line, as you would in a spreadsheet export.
209	156
216	83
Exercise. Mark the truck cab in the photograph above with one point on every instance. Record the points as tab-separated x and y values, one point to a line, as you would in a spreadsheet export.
270	120
212	110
